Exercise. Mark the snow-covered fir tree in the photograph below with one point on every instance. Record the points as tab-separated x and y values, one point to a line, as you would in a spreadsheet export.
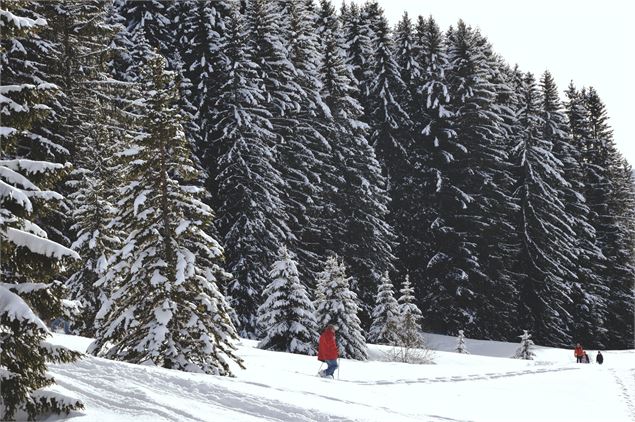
96	240
85	119
204	64
608	196
148	19
286	319
305	156
386	325
589	301
356	203
29	293
547	239
525	350
337	305
410	335
357	39
430	154
406	54
460	344
166	307
251	213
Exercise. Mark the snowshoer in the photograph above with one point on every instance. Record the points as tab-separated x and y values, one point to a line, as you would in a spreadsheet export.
327	351
599	358
578	353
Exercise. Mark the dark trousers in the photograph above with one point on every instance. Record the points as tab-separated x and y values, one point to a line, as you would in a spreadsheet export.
579	359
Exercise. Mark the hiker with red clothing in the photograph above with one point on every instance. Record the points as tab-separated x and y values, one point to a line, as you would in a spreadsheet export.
327	351
578	353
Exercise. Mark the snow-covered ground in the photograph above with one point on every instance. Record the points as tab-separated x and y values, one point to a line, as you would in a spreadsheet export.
484	386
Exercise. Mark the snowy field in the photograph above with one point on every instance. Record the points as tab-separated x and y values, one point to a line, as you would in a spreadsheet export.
484	386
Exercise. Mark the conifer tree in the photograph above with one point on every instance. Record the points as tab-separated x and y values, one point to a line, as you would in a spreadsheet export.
204	64
83	120
460	344
151	18
410	315
356	201
305	156
252	217
357	39
589	303
93	212
525	350
406	51
167	309
608	193
386	318
470	192
30	261
547	239
600	163
432	150
287	316
337	305
390	124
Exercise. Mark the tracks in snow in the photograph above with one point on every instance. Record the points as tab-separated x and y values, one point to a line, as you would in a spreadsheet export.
461	378
625	380
136	390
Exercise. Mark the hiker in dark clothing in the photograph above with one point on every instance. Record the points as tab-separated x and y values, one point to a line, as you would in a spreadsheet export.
599	358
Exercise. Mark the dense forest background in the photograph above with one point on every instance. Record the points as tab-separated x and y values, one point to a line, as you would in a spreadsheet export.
159	157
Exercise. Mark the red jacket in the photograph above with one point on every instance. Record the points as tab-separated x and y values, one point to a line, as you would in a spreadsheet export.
327	349
578	352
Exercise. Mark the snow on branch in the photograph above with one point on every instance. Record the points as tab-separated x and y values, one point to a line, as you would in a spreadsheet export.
39	245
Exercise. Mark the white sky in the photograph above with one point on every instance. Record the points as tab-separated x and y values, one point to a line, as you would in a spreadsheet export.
587	41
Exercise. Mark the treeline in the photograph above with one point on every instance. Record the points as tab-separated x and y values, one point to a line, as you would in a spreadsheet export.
184	143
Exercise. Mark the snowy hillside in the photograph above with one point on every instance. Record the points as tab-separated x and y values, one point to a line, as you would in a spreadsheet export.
283	387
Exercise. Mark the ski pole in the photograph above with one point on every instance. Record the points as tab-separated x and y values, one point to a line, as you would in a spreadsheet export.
338	368
320	368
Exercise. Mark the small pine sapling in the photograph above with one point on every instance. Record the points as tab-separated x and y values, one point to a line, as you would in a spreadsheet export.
460	346
525	350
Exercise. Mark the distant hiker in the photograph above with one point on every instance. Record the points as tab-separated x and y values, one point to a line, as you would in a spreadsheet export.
327	351
578	353
586	358
599	358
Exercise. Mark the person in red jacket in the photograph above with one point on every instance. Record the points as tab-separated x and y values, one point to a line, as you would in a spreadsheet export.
578	353
327	351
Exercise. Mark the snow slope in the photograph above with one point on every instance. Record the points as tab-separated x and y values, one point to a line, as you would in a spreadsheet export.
483	386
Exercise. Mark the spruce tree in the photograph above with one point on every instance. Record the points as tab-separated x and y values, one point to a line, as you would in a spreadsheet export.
390	125
386	318
205	64
251	213
471	199
410	316
432	151
589	302
525	350
460	344
85	118
93	184
356	200
547	258
405	53
167	309
29	293
287	317
359	55
609	197
305	156
337	305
